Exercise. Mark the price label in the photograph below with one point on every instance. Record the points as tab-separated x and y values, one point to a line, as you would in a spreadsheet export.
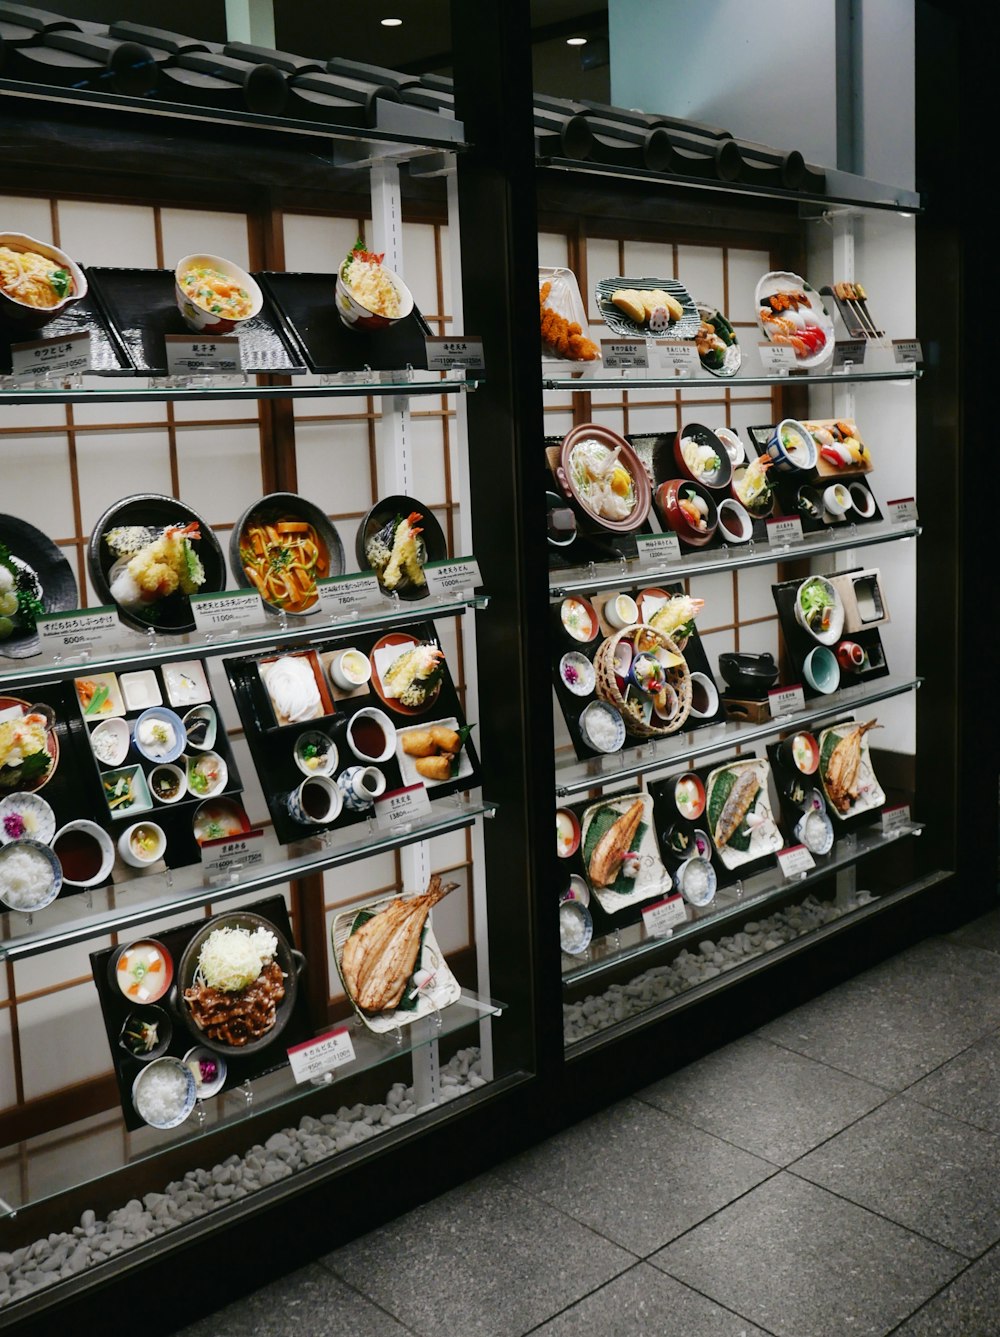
69	356
776	359
907	350
80	632
654	549
228	610
903	511
399	807
311	1059
679	356
620	354
784	530
784	700
661	917
849	353
444	353
794	860
896	820
451	577
348	594
229	854
203	357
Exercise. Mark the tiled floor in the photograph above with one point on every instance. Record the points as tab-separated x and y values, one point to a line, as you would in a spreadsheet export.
836	1173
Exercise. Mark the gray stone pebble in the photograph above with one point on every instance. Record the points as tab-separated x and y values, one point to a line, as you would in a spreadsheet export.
61	1256
692	966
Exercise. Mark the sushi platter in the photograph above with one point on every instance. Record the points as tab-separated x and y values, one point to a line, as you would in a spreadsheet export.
834	491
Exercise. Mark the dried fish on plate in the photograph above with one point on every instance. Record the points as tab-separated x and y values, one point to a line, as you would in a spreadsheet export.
620	853
392	967
739	812
845	768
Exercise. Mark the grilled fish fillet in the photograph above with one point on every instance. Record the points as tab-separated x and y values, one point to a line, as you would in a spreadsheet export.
612	847
378	960
736	806
844	765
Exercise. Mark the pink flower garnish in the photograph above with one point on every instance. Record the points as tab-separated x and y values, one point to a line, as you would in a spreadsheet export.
13	825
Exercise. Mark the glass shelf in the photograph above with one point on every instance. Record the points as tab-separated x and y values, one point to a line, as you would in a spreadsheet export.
393	139
843	189
129	390
87	915
43	1169
631	943
599	379
138	649
576	777
598	576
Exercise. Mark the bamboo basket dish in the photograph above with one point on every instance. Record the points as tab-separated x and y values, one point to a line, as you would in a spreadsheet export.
678	677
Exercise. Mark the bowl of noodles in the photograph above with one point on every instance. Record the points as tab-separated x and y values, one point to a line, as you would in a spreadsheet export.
37	280
369	296
601	472
281	546
213	295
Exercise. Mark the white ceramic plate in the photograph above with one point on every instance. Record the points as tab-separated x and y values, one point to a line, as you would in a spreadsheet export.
870	792
653	879
765	838
408	765
783	281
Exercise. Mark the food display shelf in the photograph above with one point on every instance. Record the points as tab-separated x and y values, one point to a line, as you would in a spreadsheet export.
608	576
599	379
385	142
752	893
576	777
83	917
107	1156
346	384
844	190
139	649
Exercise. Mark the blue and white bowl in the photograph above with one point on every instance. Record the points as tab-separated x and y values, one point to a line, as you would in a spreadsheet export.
792	447
152	752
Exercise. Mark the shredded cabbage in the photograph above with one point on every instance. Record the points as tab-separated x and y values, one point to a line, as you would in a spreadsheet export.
232	958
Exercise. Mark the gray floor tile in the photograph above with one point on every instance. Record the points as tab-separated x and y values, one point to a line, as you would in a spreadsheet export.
928	1171
636	1175
765	1098
894	1024
307	1301
968	1086
485	1260
646	1303
969	1306
983	932
803	1263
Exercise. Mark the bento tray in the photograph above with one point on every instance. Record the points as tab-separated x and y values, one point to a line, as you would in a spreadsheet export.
108	356
307	307
140	306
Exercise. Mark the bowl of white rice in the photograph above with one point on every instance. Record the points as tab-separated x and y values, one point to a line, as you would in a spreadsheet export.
164	1093
30	875
369	296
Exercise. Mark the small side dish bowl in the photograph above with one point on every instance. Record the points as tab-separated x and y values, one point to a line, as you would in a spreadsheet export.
579	619
792	447
30	876
702	456
315	753
110	741
576	928
621	610
862	500
577	673
689	510
704	696
602	727
149	1027
560	522
207	775
567	833
819	610
158	734
85	851
197	314
350	669
760	505
208	1070
142	970
142	844
26	815
164	1092
126	791
735	523
23	313
735	448
167	783
371	735
838	500
201	728
689	796
821	670
697	880
801	751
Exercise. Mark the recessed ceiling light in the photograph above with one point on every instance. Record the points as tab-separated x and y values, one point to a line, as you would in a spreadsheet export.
391	23
576	41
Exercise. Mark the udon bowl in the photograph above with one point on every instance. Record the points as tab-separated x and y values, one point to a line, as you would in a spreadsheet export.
199	319
23	313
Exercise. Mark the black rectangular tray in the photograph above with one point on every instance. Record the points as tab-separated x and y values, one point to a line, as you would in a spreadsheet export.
115	1007
786	489
108	356
798	642
140	307
273	748
307	303
176	819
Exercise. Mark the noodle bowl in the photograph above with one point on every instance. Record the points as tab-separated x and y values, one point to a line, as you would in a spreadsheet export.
36	280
